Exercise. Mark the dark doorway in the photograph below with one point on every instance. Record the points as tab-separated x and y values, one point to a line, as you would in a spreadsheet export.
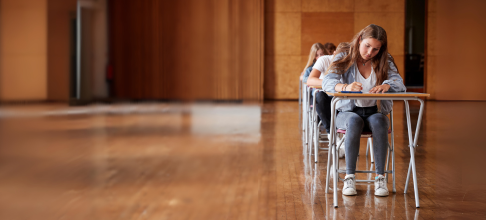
414	44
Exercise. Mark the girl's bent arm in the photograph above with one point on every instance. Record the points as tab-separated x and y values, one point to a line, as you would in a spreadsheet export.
314	78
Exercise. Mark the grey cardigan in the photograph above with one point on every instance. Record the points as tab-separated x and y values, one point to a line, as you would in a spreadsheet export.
332	78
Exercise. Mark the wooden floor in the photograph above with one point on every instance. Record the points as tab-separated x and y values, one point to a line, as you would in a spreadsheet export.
222	161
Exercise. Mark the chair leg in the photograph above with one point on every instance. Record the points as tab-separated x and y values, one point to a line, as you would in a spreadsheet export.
309	137
393	151
329	152
387	162
336	177
367	146
371	150
316	140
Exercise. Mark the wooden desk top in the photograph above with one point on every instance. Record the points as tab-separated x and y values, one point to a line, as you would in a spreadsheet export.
388	94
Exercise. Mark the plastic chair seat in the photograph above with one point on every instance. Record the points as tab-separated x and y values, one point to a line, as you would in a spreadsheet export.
367	133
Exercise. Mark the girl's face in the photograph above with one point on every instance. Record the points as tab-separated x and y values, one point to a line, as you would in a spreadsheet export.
369	48
319	53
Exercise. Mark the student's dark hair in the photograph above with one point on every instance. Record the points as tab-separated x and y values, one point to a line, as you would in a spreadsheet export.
329	48
351	50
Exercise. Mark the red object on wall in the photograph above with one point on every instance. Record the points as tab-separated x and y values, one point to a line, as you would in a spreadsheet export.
109	72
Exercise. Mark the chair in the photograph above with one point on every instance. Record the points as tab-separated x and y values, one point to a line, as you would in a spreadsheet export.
305	112
307	115
316	132
391	150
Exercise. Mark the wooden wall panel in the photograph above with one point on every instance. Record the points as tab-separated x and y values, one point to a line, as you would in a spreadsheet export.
430	68
455	71
323	27
283	33
188	49
328	5
460	66
283	83
282	47
59	15
23	50
283	5
379	6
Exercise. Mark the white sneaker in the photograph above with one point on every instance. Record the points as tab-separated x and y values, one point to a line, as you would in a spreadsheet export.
349	188
380	186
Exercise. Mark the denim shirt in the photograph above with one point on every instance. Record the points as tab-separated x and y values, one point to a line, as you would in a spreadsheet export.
332	78
307	72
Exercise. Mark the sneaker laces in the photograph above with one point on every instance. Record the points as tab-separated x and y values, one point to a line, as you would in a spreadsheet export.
349	182
381	182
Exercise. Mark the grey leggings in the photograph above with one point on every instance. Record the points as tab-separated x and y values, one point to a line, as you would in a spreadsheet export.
354	122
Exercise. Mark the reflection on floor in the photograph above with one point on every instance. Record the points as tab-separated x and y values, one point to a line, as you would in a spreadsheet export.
222	161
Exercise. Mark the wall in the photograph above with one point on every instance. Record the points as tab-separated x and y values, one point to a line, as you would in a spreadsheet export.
59	16
456	46
23	50
35	49
100	49
292	26
187	49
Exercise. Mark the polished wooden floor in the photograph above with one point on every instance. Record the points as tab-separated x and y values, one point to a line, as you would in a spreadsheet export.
222	161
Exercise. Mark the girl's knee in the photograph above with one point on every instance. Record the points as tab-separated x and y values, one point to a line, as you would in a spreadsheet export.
355	121
378	120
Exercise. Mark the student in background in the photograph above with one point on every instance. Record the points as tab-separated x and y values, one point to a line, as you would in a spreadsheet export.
317	50
329	48
323	101
364	64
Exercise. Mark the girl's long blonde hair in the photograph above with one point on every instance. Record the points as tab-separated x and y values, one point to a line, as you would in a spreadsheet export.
312	55
379	62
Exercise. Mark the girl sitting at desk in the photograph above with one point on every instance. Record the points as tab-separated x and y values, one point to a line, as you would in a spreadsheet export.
323	101
317	50
364	65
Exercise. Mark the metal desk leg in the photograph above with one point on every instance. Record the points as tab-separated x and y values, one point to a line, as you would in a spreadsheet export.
333	150
393	151
413	146
331	142
336	177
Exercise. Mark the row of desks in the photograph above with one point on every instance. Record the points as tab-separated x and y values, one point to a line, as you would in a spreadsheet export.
401	96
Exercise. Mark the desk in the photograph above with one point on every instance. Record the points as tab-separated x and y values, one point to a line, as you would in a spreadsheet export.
404	96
